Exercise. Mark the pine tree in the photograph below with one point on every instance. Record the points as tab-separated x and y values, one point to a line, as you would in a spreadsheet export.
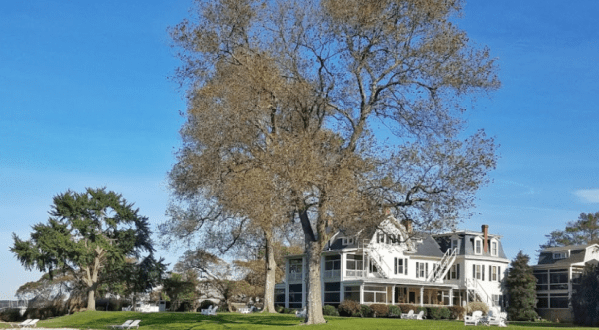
585	297
521	285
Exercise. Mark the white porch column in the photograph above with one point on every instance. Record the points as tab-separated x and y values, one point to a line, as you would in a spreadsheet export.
341	292
451	297
421	296
362	293
393	295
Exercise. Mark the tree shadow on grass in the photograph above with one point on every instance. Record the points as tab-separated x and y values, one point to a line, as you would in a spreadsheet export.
529	324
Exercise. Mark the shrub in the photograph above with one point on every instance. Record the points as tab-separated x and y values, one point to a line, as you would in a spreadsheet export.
349	308
394	311
11	315
438	313
405	308
379	310
423	309
457	312
366	311
477	306
330	310
279	308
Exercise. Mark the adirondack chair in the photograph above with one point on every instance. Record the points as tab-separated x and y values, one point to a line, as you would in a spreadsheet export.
301	313
244	310
31	324
474	319
121	326
495	318
419	316
134	324
210	311
22	324
407	315
206	311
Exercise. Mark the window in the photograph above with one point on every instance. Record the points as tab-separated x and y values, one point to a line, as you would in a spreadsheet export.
558	300
295	296
542	280
542	300
454	243
399	268
295	269
560	255
478	246
493	248
380	238
332	266
422	269
496	300
280	297
348	240
332	293
375	294
558	279
351	293
354	266
494	274
476	272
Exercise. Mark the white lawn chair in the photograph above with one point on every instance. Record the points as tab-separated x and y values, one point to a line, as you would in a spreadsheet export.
244	310
31	324
22	324
301	313
419	316
407	315
210	311
206	311
474	319
496	318
121	326
134	324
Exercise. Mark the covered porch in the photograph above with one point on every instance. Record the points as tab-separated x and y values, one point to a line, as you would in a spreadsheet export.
390	291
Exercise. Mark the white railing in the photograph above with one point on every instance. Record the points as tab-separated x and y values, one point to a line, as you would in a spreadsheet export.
355	273
441	268
382	267
473	285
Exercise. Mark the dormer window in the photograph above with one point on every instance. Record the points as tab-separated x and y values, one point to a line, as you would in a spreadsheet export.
560	255
494	248
348	240
478	246
455	245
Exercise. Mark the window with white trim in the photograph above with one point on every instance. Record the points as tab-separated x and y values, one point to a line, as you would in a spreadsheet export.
348	240
559	255
494	274
493	248
478	246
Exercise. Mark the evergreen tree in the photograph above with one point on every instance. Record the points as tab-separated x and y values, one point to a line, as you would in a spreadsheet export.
90	235
585	297
521	285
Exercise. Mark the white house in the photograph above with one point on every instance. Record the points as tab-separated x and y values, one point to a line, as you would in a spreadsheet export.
557	273
392	265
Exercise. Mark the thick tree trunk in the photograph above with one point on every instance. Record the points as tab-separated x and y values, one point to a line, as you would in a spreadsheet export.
314	303
91	299
271	268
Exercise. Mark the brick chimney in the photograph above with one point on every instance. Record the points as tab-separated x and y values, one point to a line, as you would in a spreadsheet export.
486	238
408	224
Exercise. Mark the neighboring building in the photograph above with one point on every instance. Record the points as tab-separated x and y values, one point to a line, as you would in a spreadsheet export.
557	272
391	265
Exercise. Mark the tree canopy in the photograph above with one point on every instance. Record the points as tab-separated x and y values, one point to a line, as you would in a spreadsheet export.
583	231
326	112
90	236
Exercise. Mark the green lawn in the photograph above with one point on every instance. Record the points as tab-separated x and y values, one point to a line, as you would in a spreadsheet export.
189	321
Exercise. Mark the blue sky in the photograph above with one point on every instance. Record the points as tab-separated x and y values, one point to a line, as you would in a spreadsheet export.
85	102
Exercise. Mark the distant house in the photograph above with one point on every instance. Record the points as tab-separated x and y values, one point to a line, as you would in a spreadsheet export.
557	274
390	264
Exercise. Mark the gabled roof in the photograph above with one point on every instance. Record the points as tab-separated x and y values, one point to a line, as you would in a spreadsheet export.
576	256
428	247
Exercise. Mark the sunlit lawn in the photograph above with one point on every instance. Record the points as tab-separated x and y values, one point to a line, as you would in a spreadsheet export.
185	321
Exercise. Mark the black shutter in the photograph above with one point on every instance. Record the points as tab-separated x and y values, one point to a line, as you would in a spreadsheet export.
395	266
405	266
498	273
483	269
473	271
490	274
426	271
417	268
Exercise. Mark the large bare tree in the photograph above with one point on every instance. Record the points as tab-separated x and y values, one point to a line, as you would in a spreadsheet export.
326	112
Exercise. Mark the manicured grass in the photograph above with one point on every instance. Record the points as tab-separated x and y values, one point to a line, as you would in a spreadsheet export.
193	321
